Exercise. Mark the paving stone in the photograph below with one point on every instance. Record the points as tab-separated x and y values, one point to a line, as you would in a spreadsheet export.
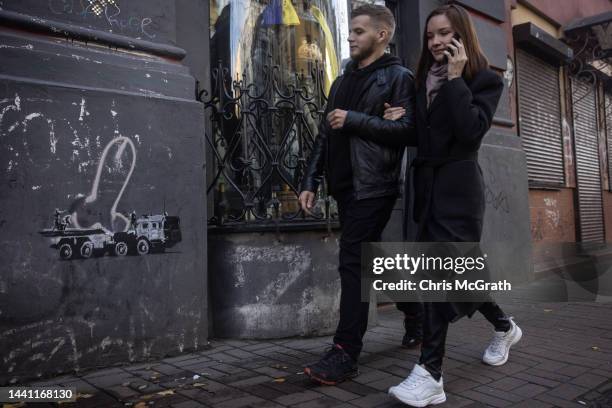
323	402
297	398
338	393
224	358
108	380
385	383
356	388
567	391
120	392
493	392
532	404
460	385
373	400
81	386
557	402
247	401
456	401
188	404
589	380
252	380
371	376
167	369
257	346
537	380
178	359
239	353
529	390
485	399
507	383
227	368
260	390
272	372
105	373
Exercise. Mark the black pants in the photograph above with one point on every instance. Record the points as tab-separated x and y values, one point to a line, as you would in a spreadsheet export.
435	328
490	310
361	221
412	310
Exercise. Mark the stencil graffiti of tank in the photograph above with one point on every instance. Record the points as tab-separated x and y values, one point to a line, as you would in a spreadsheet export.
148	233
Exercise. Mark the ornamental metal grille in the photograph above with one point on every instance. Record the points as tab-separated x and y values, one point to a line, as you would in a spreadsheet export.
262	135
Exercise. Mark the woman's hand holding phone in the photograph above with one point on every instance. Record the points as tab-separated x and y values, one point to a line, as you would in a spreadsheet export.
456	57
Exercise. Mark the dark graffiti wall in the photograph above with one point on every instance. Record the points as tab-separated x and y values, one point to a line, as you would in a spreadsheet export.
102	215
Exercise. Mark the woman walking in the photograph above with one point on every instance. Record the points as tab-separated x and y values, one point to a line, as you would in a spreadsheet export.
457	95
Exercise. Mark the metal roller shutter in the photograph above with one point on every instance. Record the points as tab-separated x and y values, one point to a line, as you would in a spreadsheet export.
540	119
588	176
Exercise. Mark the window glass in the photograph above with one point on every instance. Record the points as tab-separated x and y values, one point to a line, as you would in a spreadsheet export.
272	65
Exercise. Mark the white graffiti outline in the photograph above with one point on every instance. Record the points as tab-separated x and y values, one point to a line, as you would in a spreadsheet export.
93	195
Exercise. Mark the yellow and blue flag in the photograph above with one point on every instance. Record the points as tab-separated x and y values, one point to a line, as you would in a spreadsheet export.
280	12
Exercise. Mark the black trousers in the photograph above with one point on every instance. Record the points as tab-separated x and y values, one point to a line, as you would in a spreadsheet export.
490	310
435	328
435	315
361	221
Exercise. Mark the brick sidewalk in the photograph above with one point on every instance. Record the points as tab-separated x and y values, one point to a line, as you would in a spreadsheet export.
563	360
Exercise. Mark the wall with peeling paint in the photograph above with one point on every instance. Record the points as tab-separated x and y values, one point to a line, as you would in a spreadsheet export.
96	133
274	285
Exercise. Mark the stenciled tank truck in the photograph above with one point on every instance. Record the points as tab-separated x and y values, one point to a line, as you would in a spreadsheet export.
146	234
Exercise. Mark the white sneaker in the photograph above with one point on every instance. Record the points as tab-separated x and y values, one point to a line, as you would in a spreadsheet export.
419	389
499	348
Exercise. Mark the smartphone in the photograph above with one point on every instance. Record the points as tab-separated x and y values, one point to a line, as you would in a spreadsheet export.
449	49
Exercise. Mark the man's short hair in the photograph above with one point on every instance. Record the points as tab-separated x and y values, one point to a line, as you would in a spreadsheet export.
380	15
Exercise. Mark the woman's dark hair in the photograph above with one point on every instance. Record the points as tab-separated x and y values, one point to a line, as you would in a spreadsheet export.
461	24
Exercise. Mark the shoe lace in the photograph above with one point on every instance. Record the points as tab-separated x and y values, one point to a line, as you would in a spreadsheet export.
412	381
335	355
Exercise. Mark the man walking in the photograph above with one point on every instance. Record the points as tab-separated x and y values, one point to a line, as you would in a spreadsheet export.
362	174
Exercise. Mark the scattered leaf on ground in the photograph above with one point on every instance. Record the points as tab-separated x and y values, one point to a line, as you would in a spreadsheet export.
166	392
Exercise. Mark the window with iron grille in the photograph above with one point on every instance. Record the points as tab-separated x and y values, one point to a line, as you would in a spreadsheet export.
272	65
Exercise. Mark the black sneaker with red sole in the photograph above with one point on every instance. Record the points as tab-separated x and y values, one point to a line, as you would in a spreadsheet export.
335	366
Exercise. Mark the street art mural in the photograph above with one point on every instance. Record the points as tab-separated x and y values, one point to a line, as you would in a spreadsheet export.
92	225
82	174
79	235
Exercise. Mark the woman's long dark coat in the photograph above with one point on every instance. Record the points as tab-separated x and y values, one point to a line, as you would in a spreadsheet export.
449	195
